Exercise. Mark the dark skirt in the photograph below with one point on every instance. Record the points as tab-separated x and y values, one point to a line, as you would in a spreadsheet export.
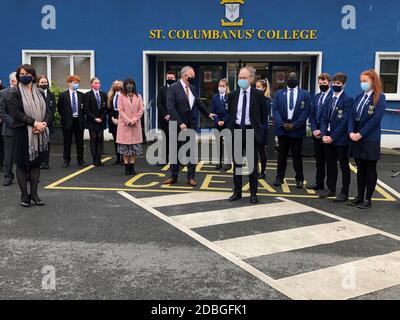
21	147
365	150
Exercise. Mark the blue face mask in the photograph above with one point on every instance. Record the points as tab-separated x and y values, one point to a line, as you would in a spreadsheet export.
243	84
25	79
365	86
75	86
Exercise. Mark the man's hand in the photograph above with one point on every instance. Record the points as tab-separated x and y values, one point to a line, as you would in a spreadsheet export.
221	123
327	140
98	120
183	126
317	134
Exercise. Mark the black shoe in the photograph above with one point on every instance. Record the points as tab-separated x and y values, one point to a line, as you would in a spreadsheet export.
7	182
26	202
81	163
327	194
365	205
235	197
317	187
253	199
66	164
218	167
299	184
278	182
44	166
37	201
262	175
228	167
355	202
341	198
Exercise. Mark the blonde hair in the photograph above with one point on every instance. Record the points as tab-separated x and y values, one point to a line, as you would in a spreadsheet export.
111	93
267	86
226	83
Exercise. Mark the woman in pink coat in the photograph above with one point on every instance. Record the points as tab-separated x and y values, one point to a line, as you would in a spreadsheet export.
129	132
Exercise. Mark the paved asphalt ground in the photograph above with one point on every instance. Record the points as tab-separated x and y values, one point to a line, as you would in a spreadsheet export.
110	238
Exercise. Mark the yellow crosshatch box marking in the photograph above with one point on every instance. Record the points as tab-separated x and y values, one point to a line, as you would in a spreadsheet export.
213	181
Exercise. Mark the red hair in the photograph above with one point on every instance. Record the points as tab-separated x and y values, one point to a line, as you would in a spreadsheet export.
376	84
73	78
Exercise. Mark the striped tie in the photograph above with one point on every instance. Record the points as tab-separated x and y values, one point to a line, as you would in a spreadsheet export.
98	100
361	107
319	107
116	102
291	100
74	104
332	111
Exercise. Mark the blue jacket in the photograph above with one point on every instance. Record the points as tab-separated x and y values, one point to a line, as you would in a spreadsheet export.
220	109
300	116
338	119
314	122
369	125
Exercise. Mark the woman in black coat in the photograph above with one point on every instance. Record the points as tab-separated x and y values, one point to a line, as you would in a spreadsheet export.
28	107
112	110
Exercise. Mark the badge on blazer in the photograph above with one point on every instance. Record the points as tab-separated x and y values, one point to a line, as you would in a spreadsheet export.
340	114
303	104
226	106
371	110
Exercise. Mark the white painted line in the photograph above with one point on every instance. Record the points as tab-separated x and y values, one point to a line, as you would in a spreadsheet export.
183	198
210	245
292	239
209	218
388	188
347	280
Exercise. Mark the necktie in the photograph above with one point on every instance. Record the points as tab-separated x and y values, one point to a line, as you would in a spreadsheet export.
291	100
222	100
98	100
116	102
244	107
187	91
334	100
319	107
74	104
361	107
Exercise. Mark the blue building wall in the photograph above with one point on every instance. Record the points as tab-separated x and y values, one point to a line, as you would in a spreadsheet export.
118	31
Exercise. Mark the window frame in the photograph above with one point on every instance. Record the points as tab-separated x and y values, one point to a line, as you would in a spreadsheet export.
27	55
389	56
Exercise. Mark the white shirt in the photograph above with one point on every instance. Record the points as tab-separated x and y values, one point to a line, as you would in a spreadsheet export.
369	93
332	107
191	95
295	95
45	93
75	114
240	107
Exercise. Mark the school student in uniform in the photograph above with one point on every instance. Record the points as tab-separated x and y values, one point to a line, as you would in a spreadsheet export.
334	126
219	106
263	86
365	136
318	105
291	108
112	109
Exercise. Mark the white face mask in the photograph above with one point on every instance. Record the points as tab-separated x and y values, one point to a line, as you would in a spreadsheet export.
222	90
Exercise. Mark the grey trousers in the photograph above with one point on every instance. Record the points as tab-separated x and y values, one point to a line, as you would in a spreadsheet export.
8	157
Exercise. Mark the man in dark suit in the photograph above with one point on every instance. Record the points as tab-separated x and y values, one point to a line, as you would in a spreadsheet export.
7	132
291	108
247	111
71	109
183	106
318	105
163	114
95	105
334	130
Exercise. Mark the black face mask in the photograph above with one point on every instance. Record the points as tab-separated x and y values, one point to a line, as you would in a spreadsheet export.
129	88
192	81
292	83
170	82
324	87
44	86
337	88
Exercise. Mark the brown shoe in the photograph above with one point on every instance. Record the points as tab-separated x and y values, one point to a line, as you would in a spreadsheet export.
192	182
170	181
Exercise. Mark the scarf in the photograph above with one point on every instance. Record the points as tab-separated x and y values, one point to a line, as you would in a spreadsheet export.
34	107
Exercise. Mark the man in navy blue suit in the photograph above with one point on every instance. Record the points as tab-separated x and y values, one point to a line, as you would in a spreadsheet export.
318	105
334	128
291	108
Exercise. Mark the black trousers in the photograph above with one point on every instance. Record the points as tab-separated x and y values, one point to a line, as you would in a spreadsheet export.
295	145
262	153
8	157
164	126
367	177
77	132
175	167
220	145
320	162
1	148
114	134
333	154
253	174
96	144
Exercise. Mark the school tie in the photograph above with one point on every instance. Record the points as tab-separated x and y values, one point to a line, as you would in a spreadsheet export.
74	104
244	107
116	102
334	100
319	107
361	107
98	100
187	91
291	100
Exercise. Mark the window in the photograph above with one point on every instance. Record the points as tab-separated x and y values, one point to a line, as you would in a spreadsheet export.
58	65
388	67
